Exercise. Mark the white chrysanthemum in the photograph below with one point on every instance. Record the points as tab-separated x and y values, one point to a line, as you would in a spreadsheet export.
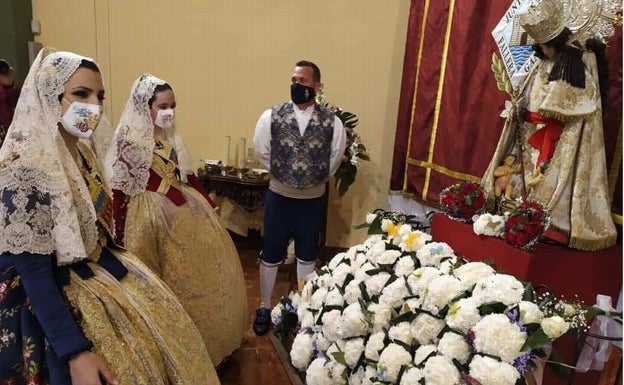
334	298
554	327
394	233
358	261
336	372
375	250
353	322
318	298
496	335
322	343
370	217
305	317
336	347
426	328
391	359
441	290
411	376
353	351
301	350
393	294
317	373
376	283
498	288
401	332
530	313
373	240
352	292
432	253
375	345
424	352
388	257
370	374
420	278
340	274
381	315
440	370
567	310
361	273
489	371
463	314
472	272
323	281
404	266
332	328
295	299
414	240
336	260
454	346
276	313
490	225
357	377
411	304
448	265
353	251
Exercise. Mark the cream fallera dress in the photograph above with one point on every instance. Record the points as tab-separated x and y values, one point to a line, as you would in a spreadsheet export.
188	247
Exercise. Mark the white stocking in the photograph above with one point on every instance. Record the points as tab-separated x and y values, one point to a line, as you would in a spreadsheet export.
268	274
304	269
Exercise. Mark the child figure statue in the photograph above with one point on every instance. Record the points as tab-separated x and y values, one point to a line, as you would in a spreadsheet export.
502	184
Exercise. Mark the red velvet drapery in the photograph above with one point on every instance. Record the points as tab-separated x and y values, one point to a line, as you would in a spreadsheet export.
448	120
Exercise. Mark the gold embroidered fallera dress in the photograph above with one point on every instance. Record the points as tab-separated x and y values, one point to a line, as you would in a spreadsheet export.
134	321
574	186
187	246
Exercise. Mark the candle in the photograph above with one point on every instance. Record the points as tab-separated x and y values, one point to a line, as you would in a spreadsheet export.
225	155
240	153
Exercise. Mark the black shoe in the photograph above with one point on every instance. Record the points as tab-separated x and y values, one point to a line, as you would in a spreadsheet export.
262	323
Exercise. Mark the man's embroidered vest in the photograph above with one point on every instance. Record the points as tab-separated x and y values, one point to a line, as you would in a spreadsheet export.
301	161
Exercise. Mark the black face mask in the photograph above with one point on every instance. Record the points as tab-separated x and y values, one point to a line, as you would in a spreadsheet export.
301	94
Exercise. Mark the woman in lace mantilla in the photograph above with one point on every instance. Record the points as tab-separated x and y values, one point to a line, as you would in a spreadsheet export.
75	308
165	217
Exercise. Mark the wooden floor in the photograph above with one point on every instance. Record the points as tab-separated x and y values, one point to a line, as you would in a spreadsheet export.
256	362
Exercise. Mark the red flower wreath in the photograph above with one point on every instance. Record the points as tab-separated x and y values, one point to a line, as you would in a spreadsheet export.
526	225
463	200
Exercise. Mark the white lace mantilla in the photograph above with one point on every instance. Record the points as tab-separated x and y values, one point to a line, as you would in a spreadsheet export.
45	205
129	161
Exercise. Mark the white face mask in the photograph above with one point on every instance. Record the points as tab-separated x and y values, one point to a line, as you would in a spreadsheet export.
164	118
81	119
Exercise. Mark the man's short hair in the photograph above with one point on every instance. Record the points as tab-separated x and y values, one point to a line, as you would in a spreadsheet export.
317	72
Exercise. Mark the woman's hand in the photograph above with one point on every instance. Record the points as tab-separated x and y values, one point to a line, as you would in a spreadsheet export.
87	368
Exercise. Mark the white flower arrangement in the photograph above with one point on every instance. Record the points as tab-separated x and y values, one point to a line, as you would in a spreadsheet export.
387	313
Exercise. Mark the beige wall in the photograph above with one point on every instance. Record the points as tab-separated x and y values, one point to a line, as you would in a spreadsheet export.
228	60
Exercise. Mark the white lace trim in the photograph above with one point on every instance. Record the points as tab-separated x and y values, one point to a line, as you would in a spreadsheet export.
45	206
130	159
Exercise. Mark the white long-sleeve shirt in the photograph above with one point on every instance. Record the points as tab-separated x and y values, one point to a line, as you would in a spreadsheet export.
262	146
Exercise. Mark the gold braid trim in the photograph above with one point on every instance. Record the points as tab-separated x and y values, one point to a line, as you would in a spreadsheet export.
565	118
592	245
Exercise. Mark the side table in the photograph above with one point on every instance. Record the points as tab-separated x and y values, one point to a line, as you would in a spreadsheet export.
240	200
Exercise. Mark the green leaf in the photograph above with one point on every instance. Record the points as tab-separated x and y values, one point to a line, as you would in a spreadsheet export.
537	340
339	357
556	364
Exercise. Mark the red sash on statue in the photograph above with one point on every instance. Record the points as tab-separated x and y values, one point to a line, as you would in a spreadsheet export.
545	139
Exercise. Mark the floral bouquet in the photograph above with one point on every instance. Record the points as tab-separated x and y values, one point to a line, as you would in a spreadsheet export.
463	200
401	309
355	150
526	224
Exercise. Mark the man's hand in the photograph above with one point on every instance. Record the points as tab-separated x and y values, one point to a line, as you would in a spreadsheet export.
87	368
